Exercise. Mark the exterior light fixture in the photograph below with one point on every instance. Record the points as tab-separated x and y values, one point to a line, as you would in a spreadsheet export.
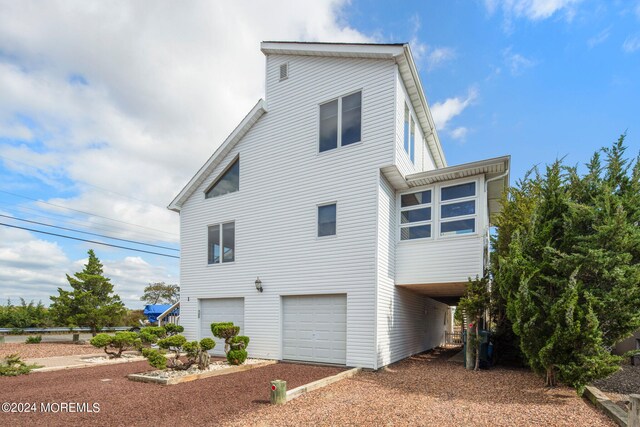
259	285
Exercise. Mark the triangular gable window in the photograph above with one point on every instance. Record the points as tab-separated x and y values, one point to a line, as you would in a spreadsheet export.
228	182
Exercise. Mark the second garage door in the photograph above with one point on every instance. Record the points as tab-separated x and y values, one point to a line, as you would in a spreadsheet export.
220	310
315	328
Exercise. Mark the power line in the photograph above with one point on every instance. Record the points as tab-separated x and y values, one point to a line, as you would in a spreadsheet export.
89	241
86	213
85	183
86	232
66	218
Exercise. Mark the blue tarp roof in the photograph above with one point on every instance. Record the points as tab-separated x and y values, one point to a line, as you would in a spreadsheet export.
152	311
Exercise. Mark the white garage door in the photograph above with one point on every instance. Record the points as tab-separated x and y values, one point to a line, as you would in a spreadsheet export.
220	310
315	328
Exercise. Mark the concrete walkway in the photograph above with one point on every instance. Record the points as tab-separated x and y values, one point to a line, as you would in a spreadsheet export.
458	357
78	361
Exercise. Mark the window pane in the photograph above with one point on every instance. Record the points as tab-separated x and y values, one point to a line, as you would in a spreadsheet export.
329	126
412	143
351	126
415	215
458	209
227	183
228	241
326	220
415	198
214	244
417	232
463	226
406	128
458	191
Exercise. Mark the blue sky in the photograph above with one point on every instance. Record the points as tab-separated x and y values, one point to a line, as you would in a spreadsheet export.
106	111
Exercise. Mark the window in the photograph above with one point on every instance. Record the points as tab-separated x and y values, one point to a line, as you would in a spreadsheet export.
327	220
341	122
409	134
415	215
228	182
458	209
225	234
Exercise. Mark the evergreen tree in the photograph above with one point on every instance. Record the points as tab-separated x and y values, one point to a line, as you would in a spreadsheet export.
474	304
91	302
566	265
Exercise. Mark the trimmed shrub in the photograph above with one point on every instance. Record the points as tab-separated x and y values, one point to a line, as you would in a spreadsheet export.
172	329
13	366
115	345
196	353
225	331
34	339
155	358
151	335
237	355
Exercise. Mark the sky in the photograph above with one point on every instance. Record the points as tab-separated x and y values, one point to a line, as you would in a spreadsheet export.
107	109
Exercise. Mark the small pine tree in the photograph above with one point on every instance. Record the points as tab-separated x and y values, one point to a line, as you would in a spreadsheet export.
91	302
474	304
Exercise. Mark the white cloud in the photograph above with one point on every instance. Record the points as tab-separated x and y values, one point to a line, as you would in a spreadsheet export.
599	38
443	112
438	56
534	10
631	44
459	133
431	56
516	62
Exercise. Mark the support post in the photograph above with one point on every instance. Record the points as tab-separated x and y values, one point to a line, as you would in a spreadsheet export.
634	412
278	392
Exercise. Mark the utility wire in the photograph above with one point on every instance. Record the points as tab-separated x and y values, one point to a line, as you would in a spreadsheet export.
86	213
86	232
89	241
53	216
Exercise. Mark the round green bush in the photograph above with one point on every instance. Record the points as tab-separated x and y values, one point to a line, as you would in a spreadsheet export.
101	340
172	329
237	357
172	341
155	358
207	344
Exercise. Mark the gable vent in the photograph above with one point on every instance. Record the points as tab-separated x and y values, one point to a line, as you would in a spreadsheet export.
284	71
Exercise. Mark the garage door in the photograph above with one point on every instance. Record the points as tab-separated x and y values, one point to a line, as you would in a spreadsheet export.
315	328
220	310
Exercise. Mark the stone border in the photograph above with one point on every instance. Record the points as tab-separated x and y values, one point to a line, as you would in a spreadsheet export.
177	380
299	391
602	402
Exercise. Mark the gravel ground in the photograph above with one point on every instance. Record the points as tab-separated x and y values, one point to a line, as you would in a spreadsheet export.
426	390
625	381
210	401
31	351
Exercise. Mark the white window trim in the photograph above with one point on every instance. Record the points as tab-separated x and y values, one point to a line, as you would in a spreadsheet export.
416	132
339	142
235	247
219	177
318	206
436	219
413	207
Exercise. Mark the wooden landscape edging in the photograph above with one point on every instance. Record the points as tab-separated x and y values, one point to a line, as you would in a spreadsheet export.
299	391
186	378
602	402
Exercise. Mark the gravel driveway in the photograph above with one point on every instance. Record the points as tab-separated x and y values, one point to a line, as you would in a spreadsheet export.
210	401
31	351
427	390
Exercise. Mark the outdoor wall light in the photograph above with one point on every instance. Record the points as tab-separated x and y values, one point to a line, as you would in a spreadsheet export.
259	285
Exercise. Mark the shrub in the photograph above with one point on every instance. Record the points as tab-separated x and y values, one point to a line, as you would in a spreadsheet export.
196	353
151	335
225	331
115	345
13	366
237	355
34	339
172	329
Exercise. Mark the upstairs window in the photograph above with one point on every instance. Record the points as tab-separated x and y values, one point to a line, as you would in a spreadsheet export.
415	215
341	122
327	220
228	182
458	209
222	243
409	133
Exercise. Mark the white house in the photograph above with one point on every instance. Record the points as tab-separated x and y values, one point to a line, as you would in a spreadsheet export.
333	194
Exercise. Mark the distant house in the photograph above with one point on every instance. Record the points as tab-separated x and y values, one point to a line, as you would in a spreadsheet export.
630	344
333	196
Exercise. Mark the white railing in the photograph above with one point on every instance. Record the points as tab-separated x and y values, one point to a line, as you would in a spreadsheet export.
168	317
453	338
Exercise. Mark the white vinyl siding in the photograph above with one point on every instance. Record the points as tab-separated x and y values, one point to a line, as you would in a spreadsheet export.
275	239
314	328
220	310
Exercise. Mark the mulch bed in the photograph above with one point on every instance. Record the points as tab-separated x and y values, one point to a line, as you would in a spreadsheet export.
210	401
49	349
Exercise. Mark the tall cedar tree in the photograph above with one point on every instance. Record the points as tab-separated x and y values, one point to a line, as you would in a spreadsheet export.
566	265
474	304
91	302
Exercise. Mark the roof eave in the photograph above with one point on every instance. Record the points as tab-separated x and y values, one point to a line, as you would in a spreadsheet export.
247	123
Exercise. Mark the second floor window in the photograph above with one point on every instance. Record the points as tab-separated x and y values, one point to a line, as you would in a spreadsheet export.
341	122
222	243
415	215
227	182
458	209
327	220
409	134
